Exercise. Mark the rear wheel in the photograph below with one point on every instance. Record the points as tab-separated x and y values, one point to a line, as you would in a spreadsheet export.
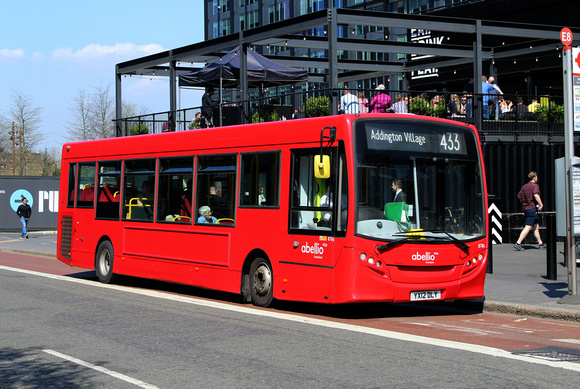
104	262
261	282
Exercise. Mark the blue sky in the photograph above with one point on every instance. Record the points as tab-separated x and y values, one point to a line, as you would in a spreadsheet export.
49	50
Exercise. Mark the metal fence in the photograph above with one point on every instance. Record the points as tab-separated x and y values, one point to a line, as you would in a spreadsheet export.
503	118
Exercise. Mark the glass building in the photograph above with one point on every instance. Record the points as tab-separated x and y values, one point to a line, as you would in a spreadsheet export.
539	75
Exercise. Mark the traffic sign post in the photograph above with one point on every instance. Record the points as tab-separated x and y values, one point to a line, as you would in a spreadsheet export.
569	128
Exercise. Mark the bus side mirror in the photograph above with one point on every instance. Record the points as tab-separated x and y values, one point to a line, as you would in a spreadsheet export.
321	166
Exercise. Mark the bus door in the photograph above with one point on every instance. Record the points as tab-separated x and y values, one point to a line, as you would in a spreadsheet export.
77	228
317	222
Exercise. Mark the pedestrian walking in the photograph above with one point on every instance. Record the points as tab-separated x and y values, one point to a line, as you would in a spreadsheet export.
24	212
529	196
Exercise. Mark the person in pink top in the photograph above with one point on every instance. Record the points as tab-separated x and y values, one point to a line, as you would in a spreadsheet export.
381	102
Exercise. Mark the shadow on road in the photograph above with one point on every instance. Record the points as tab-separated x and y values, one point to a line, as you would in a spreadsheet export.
338	311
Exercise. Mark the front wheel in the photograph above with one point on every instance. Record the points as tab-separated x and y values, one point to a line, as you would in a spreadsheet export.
261	283
104	262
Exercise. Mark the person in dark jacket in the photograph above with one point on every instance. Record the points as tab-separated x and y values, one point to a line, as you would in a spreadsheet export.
207	106
24	212
400	196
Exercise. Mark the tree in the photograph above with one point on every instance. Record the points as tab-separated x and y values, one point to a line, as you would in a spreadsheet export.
81	128
103	112
25	129
50	161
93	114
4	135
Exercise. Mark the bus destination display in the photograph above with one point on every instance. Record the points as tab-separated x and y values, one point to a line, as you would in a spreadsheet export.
414	141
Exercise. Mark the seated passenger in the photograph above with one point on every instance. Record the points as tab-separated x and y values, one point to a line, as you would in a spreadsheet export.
206	216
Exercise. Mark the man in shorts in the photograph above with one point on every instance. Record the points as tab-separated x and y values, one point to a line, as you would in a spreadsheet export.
529	195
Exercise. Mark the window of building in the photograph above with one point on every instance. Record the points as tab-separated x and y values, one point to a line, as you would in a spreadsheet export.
221	6
175	190
260	179
402	38
86	184
225	27
315	5
109	190
139	189
253	19
215	188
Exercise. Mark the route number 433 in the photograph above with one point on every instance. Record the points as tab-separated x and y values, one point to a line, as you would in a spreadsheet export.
450	142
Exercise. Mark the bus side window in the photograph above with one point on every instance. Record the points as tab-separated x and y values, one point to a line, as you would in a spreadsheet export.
307	210
319	205
109	190
72	182
86	184
175	190
215	187
260	179
139	189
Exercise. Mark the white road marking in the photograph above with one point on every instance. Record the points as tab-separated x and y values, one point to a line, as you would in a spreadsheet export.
450	327
575	341
111	373
485	350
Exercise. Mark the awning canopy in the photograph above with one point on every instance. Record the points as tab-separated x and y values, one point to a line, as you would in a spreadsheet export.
261	72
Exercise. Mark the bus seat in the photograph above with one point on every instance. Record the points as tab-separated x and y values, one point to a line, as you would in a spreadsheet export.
105	194
185	206
88	193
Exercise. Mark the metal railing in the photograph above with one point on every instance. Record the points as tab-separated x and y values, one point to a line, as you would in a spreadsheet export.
535	116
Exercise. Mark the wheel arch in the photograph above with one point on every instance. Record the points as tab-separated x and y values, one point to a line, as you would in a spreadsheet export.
245	282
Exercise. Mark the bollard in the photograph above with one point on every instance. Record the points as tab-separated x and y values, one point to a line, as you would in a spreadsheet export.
551	250
489	246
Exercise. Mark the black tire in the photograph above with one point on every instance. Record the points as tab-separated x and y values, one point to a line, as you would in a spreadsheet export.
104	262
261	282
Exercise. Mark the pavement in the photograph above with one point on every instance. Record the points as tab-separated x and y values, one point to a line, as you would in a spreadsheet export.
518	283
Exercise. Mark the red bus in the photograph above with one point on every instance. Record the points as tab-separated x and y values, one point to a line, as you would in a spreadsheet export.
300	210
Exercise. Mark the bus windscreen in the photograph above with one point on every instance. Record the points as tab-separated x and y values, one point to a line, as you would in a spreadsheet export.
417	175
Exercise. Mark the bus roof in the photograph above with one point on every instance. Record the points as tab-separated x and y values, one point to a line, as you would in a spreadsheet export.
295	131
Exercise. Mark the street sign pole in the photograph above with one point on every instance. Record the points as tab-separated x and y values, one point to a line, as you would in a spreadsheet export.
566	38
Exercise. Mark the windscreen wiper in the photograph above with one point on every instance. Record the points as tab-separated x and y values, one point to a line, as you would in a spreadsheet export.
387	246
415	236
456	241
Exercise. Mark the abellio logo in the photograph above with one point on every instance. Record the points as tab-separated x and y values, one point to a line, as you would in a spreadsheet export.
315	249
427	257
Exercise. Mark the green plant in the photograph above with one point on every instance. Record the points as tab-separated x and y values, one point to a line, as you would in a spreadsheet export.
139	129
419	106
553	113
316	106
194	125
271	116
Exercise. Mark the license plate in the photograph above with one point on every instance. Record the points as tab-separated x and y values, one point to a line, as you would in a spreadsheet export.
426	295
